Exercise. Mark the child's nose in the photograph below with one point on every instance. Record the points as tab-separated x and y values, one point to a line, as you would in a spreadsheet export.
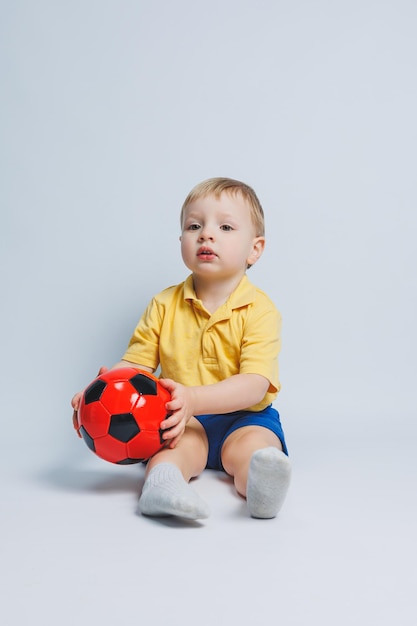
206	233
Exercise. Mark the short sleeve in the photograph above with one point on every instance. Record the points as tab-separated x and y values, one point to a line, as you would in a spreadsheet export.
261	344
143	346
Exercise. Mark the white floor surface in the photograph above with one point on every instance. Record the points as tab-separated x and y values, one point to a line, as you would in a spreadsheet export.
343	551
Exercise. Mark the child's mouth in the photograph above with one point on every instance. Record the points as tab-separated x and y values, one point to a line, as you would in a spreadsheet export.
206	254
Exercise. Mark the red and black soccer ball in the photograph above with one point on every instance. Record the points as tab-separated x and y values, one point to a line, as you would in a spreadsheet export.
120	414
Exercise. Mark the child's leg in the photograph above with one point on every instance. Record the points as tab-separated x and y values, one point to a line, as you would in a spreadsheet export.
166	490
261	471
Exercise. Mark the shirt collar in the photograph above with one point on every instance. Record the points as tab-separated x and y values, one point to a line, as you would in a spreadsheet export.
243	295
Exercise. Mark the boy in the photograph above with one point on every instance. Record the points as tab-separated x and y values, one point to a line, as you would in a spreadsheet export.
216	339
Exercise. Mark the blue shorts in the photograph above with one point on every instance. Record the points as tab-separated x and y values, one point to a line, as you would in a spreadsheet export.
219	427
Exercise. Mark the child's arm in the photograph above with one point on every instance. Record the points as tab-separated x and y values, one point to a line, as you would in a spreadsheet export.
232	394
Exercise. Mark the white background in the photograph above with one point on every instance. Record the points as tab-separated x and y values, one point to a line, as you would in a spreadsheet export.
110	113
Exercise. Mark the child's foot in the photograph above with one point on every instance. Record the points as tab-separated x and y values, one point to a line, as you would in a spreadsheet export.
268	482
166	492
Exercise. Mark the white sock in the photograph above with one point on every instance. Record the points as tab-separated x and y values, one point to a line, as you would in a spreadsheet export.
268	482
166	492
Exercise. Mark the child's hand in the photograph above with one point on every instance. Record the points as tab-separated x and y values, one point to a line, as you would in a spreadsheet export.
180	407
75	402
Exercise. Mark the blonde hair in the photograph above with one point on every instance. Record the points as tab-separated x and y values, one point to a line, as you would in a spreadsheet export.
217	186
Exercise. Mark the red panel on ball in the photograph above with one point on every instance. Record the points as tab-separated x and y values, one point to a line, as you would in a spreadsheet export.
95	419
144	445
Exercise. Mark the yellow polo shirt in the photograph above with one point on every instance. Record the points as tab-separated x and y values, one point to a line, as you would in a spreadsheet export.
194	347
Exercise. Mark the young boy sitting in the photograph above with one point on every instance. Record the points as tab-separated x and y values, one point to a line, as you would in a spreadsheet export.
216	338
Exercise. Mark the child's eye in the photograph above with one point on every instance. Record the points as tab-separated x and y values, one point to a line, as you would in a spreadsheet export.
226	227
193	227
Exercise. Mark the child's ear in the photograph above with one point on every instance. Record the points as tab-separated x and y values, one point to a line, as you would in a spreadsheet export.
258	247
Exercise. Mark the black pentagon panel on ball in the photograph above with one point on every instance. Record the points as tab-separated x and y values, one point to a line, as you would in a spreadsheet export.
123	427
94	391
144	385
88	440
129	461
161	433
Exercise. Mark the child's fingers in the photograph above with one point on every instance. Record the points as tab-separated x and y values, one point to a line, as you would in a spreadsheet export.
171	421
75	402
172	444
173	405
175	431
75	423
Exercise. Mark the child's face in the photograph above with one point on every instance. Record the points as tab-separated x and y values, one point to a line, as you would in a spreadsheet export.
218	237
